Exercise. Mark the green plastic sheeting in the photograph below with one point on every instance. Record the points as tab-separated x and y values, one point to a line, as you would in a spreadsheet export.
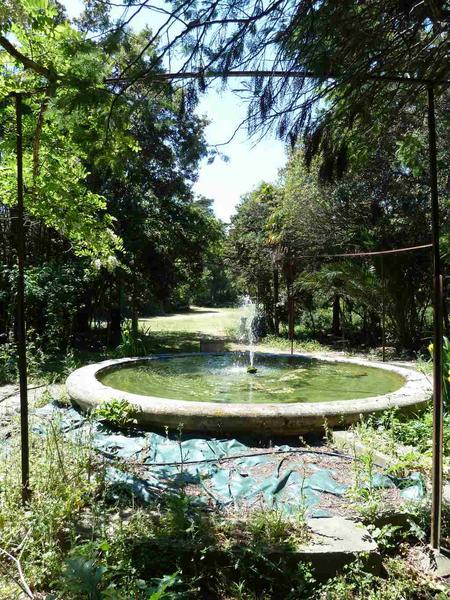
168	463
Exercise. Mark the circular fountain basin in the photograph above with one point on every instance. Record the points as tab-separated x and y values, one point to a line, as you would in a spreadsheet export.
287	395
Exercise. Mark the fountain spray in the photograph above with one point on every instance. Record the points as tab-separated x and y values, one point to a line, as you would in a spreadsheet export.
247	329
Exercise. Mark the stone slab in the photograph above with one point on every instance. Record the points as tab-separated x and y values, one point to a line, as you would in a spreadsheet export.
338	534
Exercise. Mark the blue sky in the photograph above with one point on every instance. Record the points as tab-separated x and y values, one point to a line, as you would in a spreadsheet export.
250	162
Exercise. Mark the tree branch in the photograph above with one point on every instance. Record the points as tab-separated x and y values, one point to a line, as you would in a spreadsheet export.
28	63
22	581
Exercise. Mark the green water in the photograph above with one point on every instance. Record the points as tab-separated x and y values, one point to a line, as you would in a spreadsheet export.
224	378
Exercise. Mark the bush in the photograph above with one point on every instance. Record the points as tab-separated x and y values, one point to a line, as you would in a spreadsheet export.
8	363
132	344
118	413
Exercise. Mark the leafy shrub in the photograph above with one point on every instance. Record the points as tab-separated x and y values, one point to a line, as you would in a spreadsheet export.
36	358
118	413
132	344
271	527
402	582
93	579
8	363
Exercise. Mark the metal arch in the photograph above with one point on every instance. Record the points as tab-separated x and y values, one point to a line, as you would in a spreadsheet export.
437	299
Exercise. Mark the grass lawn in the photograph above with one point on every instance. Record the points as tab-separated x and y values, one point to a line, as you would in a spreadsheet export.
214	322
181	332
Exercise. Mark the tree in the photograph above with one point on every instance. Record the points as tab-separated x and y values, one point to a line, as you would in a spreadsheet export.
382	204
65	99
216	287
250	254
108	178
354	51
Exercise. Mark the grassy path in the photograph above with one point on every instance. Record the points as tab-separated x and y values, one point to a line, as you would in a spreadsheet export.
181	332
214	322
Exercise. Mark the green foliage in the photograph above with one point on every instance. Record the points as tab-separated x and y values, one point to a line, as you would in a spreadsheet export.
53	296
159	592
63	485
382	204
216	286
446	367
134	343
366	497
74	544
118	413
56	150
272	527
215	554
400	583
8	363
250	252
416	432
108	180
85	578
282	343
41	365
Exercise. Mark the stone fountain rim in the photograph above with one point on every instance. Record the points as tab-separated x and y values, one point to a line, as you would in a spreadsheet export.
85	389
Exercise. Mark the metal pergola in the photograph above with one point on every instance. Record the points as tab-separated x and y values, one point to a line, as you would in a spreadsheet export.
430	85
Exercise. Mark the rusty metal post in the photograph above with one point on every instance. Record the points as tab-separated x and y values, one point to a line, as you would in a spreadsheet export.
20	314
438	409
383	310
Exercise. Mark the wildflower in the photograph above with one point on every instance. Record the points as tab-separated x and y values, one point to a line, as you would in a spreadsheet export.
430	348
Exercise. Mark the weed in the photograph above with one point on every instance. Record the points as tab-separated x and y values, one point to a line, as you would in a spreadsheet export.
328	432
269	527
118	413
61	487
133	344
366	497
280	343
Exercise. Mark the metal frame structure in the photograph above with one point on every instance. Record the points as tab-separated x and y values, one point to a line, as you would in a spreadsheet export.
19	227
438	406
437	457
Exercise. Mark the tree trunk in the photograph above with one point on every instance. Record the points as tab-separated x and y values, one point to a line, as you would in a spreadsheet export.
336	325
83	316
115	316
115	322
291	320
276	298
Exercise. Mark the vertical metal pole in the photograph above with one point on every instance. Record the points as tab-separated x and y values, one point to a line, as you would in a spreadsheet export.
383	309
436	508
21	332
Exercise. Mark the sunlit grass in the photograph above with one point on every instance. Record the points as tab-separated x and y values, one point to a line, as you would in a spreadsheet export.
214	322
